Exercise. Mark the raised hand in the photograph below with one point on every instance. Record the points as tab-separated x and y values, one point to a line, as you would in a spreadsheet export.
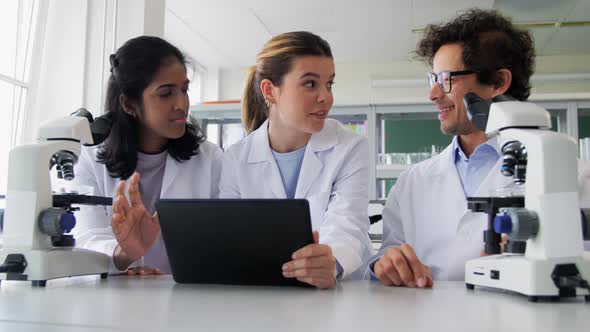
134	228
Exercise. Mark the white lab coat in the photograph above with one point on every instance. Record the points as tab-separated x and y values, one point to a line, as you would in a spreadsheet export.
333	178
197	177
427	209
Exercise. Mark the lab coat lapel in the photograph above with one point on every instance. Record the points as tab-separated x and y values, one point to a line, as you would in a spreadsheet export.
170	172
312	166
261	157
310	170
445	172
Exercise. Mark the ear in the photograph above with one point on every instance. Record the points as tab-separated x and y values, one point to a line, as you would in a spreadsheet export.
128	106
504	81
267	89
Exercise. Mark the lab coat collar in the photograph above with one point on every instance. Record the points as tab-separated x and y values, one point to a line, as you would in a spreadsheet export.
260	152
324	140
311	167
172	170
440	164
260	148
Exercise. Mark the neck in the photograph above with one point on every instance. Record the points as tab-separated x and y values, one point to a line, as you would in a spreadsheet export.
471	141
285	139
150	143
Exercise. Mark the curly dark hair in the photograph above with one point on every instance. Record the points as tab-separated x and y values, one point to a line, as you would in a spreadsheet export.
490	42
133	67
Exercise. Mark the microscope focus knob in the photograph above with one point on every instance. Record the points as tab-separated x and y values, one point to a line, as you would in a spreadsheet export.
55	222
520	223
503	224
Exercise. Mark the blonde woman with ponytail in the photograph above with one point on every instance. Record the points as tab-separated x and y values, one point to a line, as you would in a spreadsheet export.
294	151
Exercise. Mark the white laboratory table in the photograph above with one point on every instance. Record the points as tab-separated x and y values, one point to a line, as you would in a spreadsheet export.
156	303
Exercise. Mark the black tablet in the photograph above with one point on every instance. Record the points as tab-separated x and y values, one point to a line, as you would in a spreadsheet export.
233	241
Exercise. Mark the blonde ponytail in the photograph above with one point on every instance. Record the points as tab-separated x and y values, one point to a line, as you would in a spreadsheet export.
254	111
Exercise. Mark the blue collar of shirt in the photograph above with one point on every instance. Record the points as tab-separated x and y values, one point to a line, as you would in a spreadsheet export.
490	143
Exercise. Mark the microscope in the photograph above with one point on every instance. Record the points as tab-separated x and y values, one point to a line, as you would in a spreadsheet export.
36	221
544	258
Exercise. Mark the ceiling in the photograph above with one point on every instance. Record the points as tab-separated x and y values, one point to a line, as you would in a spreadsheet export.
229	33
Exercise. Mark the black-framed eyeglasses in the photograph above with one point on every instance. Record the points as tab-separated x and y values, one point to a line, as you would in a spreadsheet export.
444	78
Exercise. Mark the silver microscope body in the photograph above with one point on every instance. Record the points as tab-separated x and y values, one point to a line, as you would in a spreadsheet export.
36	247
547	256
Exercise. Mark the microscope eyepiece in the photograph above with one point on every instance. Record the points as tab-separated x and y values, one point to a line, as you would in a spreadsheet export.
64	163
514	161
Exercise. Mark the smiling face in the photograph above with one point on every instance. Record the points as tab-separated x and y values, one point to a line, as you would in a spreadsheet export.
453	115
165	103
304	98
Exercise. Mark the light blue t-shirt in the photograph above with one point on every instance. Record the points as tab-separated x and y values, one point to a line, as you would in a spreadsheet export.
473	170
289	166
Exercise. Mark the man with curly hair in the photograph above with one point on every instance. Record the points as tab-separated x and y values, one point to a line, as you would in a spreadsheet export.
428	231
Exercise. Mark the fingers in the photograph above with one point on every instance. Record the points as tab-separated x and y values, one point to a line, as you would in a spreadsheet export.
134	196
144	270
120	205
312	250
401	267
316	237
122	221
418	270
387	273
121	188
313	264
322	267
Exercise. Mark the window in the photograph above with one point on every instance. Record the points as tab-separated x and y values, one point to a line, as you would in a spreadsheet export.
18	21
406	138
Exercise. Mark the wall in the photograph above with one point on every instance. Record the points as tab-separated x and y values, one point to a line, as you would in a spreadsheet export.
191	42
231	83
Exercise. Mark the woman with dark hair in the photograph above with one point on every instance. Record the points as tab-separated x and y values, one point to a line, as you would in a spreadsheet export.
303	154
147	103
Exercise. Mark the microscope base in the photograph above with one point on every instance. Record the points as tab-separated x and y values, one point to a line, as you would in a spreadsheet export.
43	265
532	278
